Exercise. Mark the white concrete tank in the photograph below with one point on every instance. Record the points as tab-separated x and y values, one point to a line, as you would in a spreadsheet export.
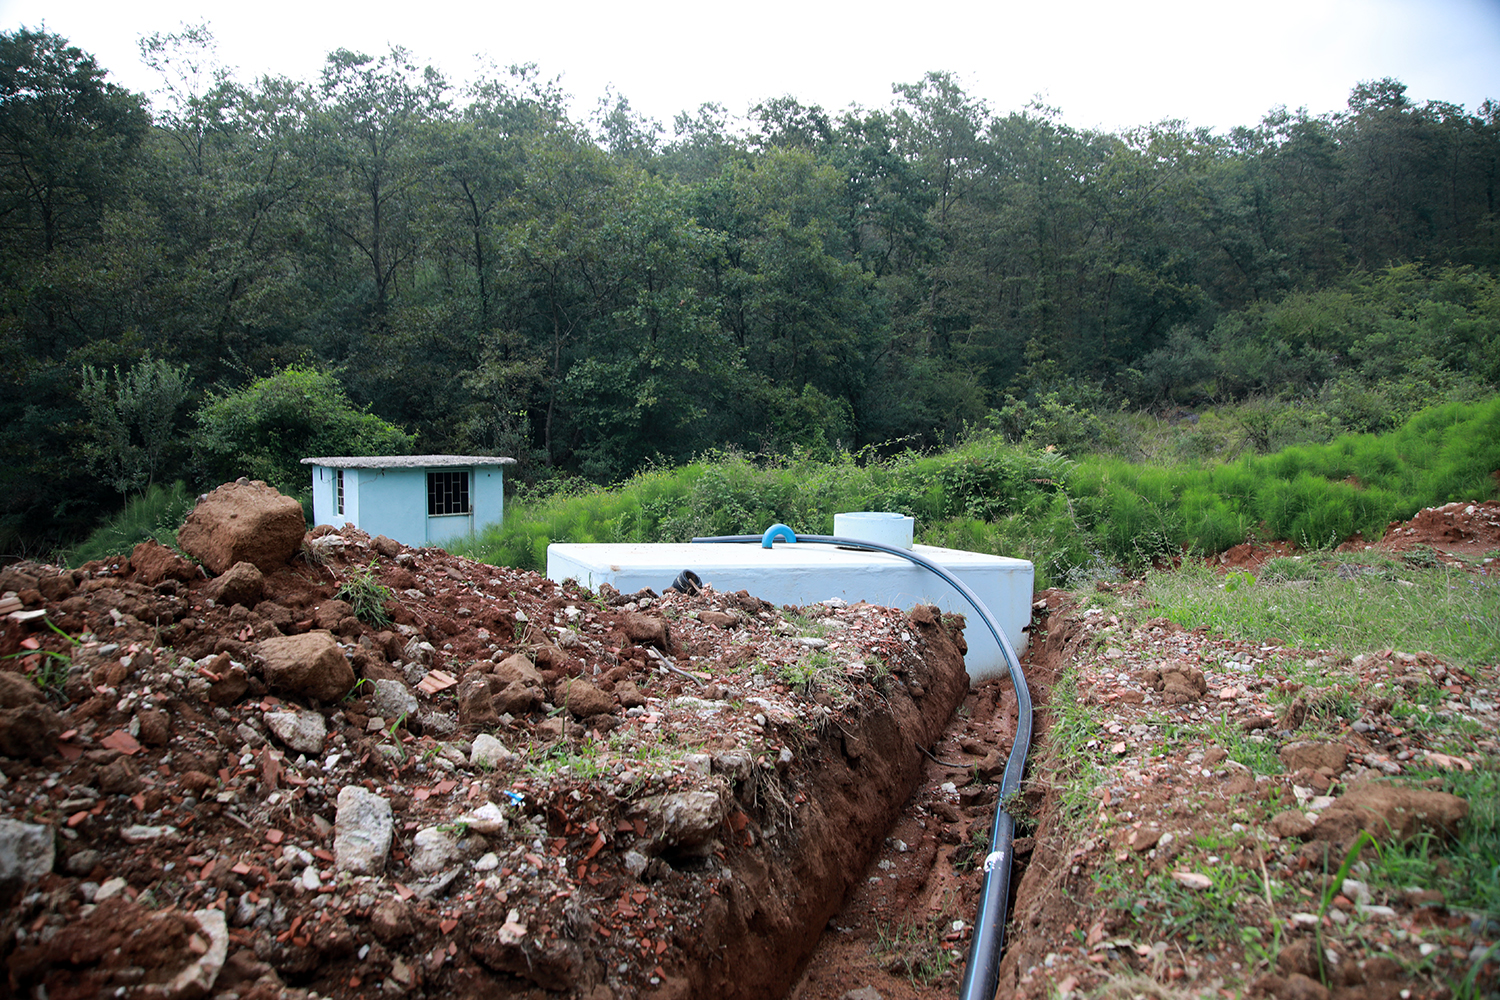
806	573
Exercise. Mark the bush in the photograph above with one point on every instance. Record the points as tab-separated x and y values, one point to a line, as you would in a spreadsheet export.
266	428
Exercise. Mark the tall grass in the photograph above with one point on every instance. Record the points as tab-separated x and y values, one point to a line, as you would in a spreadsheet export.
1068	517
155	514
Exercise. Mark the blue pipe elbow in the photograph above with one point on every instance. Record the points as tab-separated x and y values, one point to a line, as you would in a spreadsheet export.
776	531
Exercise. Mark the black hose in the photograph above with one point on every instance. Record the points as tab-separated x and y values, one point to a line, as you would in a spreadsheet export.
982	972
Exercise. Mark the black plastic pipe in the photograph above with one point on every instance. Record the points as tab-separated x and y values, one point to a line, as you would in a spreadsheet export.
982	971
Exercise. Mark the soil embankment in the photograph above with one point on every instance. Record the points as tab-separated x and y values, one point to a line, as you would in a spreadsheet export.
354	768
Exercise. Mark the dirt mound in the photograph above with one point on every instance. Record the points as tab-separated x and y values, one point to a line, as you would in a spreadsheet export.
1456	529
1251	555
520	789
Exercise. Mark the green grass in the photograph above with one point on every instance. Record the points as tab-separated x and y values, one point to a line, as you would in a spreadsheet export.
1074	726
366	595
155	514
916	948
1076	520
1453	614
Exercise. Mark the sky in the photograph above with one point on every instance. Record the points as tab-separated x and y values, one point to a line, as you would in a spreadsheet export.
1109	65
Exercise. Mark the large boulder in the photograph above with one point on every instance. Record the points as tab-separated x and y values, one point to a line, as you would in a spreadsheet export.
243	522
311	664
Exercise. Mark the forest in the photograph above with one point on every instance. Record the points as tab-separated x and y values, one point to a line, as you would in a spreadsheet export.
229	276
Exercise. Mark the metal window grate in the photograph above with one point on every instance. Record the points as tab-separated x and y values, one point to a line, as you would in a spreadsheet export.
339	492
447	493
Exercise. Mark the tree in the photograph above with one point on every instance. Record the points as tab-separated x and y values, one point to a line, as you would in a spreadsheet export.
266	428
134	420
65	135
375	116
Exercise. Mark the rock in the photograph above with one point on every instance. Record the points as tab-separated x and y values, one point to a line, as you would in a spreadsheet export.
118	777
26	854
488	752
630	696
518	698
686	822
153	562
647	630
553	964
487	820
1294	715
362	831
310	664
28	728
863	993
304	731
550	657
248	522
331	612
418	651
718	619
433	849
155	727
1193	880
1391	813
1297	956
517	668
1300	987
1314	754
16	691
231	686
393	699
242	583
1289	824
57	587
391	921
388	547
582	699
110	889
197	979
992	766
476	706
83	862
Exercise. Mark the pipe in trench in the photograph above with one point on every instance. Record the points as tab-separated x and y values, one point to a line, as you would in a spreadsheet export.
982	971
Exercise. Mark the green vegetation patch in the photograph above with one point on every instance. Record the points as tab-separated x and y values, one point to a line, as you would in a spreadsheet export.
1351	604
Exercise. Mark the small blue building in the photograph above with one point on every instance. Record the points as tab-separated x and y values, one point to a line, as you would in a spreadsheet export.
415	499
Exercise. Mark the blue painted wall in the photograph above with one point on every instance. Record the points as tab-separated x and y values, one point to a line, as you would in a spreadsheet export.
393	502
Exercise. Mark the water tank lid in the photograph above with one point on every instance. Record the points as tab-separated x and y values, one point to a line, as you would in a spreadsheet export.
883	527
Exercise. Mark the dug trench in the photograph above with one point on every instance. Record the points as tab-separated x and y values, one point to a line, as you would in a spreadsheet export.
1204	816
332	765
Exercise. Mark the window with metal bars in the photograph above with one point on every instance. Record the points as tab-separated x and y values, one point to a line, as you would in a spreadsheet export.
447	493
338	491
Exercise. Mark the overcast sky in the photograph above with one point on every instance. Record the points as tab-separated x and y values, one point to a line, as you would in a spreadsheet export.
1104	64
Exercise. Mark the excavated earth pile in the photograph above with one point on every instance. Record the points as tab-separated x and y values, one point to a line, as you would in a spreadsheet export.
332	765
